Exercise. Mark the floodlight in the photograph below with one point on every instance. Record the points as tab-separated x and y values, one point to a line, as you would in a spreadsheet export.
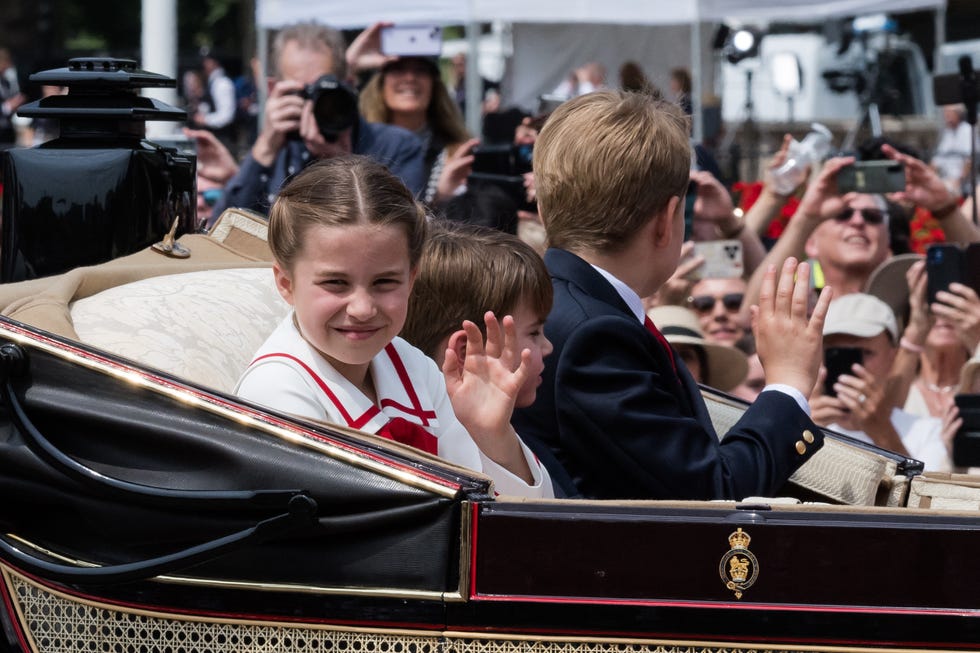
874	23
786	73
742	44
743	40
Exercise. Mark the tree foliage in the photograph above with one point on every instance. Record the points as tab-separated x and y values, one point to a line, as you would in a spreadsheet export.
44	33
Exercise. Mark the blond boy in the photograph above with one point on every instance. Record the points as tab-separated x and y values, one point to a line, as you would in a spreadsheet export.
619	411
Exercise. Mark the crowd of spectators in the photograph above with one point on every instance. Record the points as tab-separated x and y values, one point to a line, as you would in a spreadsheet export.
915	354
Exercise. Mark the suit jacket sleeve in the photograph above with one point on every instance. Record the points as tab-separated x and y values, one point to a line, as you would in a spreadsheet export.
248	189
625	417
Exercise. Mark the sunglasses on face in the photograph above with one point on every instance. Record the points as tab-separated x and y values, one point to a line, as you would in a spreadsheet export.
703	303
871	216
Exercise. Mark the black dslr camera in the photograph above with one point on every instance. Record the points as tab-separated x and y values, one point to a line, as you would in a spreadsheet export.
334	105
506	160
504	166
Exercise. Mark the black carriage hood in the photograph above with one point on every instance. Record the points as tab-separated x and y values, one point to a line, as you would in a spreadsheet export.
173	466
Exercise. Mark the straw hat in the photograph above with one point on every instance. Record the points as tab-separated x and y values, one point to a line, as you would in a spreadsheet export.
727	366
888	284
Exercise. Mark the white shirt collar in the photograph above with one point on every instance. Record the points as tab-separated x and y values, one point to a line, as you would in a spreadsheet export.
629	296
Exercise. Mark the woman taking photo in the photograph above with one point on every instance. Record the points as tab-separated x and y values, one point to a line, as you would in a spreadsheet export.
409	92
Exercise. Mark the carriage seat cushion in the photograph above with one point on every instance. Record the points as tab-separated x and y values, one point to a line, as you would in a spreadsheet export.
200	326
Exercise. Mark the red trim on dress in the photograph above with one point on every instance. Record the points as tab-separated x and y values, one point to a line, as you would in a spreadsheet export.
396	428
417	410
353	423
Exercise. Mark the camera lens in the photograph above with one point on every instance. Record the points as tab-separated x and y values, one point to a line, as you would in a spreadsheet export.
334	111
334	106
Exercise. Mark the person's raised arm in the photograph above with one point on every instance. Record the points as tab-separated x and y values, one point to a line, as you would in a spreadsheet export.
924	187
910	345
214	161
769	202
821	201
961	306
283	111
714	204
455	172
364	52
677	288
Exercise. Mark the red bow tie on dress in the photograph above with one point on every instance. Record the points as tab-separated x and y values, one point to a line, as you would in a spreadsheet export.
652	328
401	430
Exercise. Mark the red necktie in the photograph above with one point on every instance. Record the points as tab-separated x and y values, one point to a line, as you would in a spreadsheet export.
401	430
652	328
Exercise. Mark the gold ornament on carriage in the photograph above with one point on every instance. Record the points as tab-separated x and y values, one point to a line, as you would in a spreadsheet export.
739	567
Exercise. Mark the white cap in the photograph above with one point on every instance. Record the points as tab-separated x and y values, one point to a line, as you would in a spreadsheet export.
864	316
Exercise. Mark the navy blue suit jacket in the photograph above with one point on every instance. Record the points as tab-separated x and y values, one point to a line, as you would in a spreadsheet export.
614	413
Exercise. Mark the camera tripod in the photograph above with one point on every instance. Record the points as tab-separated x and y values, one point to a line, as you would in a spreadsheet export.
869	111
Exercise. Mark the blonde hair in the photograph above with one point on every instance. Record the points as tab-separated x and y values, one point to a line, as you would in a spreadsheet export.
465	271
442	114
605	164
342	191
315	37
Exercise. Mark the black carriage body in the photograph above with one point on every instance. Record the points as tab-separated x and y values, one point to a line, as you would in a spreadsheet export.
410	554
100	190
69	203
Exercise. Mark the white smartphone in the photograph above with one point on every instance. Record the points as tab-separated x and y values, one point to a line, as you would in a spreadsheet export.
412	40
722	259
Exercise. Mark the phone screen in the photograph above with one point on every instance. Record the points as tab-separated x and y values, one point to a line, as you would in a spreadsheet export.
944	265
722	259
689	199
412	40
872	177
839	360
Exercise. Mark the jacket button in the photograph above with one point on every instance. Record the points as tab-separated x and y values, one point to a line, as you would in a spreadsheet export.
808	436
800	447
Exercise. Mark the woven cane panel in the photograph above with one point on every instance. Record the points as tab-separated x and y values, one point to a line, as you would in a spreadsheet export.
840	472
845	473
532	646
59	625
724	414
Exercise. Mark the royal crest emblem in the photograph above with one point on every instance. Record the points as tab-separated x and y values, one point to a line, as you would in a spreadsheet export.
738	568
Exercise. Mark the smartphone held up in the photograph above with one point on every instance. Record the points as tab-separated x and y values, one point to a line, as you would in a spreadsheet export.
838	361
411	40
948	263
879	177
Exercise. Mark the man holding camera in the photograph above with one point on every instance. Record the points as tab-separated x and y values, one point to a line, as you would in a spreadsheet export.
311	114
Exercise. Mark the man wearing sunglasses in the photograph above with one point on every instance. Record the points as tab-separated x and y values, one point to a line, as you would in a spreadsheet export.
846	236
852	242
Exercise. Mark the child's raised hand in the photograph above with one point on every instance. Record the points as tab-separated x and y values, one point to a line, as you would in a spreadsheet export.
484	385
790	344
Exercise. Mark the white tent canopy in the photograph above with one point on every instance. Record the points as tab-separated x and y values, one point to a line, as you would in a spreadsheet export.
546	61
271	14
